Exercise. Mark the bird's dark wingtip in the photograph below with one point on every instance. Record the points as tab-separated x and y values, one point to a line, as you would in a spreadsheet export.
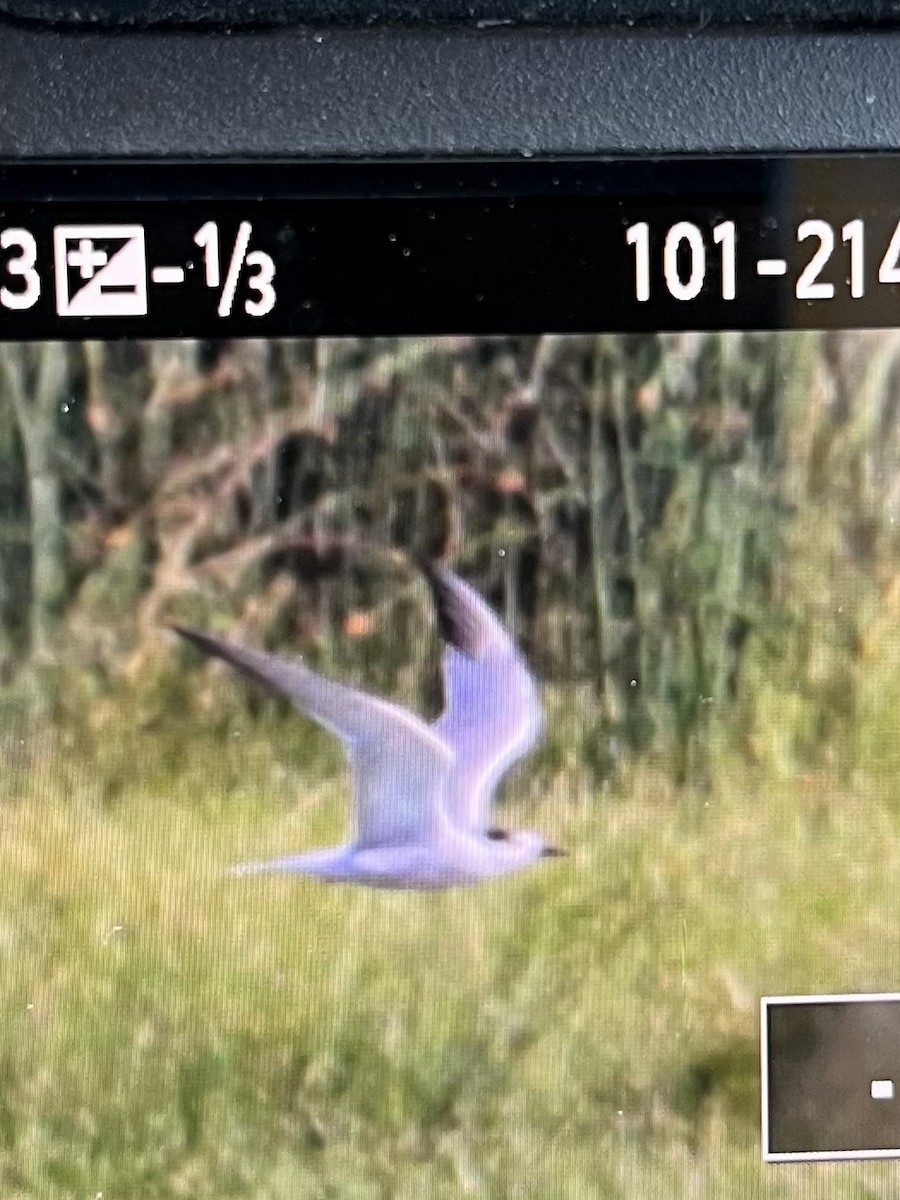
203	641
464	618
430	568
454	618
185	631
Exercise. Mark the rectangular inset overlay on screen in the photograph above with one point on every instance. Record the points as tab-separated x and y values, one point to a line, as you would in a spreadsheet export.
830	1070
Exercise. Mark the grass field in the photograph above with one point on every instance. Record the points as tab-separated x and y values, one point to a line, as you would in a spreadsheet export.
585	1029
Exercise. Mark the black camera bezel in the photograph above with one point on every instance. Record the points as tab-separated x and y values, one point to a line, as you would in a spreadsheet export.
434	93
660	14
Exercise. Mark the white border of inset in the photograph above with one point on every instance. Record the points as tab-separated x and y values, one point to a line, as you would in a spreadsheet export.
817	1156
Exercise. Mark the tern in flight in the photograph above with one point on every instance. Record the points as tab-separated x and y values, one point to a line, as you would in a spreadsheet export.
423	793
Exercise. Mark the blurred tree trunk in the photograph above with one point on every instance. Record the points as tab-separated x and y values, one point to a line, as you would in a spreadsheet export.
596	487
176	381
34	378
113	398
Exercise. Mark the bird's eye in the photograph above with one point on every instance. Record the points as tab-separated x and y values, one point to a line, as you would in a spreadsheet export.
498	835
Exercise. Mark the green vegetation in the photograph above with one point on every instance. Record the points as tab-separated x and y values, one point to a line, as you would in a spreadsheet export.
588	1029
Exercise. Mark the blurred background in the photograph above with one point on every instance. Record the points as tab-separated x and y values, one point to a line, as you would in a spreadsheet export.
693	535
694	538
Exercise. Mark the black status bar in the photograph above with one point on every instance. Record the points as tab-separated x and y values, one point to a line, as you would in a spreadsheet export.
233	250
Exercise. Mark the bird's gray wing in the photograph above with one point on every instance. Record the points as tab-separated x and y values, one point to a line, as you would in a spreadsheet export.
492	710
399	764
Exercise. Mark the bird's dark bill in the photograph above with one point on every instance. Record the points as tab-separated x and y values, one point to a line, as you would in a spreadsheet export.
554	852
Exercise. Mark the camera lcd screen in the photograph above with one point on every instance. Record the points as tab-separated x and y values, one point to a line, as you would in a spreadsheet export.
450	680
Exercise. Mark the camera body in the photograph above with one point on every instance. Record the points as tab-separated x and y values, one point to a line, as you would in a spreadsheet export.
312	80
